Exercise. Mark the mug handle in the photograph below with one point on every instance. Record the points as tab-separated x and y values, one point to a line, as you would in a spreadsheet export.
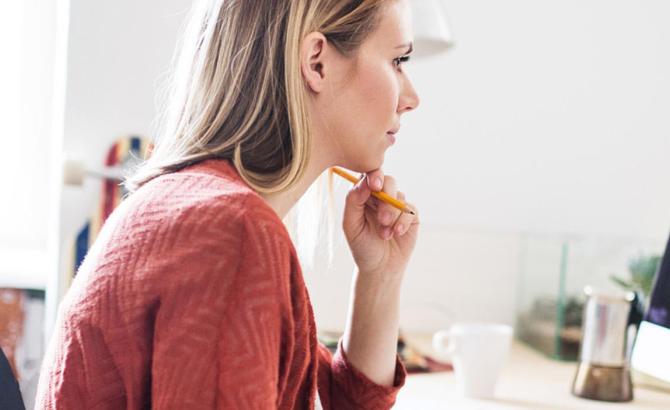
447	350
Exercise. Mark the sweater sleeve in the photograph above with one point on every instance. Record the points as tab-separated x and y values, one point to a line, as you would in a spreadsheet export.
225	354
342	386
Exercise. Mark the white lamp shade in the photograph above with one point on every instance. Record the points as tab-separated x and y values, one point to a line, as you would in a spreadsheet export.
431	31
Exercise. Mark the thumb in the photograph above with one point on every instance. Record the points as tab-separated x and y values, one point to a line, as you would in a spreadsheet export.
354	210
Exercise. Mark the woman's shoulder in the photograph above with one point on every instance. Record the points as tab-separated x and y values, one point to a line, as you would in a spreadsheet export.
197	221
203	198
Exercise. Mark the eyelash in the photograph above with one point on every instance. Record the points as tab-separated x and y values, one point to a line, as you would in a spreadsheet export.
398	61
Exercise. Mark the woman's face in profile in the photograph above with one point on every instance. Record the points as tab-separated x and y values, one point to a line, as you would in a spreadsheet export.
374	92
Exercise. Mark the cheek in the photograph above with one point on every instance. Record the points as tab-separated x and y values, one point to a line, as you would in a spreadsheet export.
368	104
379	89
374	99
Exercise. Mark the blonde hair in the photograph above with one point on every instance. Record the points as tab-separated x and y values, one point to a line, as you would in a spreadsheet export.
237	92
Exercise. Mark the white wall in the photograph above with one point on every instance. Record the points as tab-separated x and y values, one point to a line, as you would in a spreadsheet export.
27	101
546	116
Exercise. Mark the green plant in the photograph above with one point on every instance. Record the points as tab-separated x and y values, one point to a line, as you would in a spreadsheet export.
642	270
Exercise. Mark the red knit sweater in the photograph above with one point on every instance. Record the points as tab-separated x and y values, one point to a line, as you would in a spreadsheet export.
192	297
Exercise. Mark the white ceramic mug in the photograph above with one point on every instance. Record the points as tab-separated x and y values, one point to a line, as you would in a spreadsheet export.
478	352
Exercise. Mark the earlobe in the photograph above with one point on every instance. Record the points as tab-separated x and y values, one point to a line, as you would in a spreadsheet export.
312	59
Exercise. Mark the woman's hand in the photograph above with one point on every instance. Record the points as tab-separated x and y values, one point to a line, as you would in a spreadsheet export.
380	236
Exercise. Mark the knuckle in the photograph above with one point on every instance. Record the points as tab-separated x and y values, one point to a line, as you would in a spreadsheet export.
351	194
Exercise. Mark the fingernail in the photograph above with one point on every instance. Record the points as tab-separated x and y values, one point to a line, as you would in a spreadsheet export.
378	183
400	229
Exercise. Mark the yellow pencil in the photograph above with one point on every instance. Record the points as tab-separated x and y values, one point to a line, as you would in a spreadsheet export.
381	195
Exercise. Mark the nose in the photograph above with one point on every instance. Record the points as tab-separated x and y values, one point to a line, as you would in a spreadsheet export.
409	99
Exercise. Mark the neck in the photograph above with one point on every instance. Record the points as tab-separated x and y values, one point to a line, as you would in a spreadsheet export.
283	202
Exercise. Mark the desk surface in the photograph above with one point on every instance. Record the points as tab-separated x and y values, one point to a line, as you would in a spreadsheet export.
528	381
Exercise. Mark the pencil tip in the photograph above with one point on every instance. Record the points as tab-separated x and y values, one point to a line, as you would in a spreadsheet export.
412	212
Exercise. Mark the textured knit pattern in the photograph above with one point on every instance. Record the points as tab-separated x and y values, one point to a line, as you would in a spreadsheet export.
192	297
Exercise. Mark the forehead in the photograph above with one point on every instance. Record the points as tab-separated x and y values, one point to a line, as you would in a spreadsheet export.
395	25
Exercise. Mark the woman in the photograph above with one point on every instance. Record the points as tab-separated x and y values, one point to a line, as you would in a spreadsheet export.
192	296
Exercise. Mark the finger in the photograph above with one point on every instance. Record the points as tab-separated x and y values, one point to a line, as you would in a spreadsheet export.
404	223
373	204
387	213
376	179
357	197
408	206
384	232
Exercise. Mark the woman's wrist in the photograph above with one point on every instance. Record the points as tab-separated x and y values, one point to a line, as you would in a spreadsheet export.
378	279
371	336
375	290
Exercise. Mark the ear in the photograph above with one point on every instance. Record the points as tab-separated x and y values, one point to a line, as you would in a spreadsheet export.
312	59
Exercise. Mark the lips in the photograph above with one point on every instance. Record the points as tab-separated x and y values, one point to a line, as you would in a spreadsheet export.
391	134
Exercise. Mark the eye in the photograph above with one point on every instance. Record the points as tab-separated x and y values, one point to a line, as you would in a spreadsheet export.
398	61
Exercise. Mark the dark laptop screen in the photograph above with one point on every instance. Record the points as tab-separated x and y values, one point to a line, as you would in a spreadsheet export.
659	306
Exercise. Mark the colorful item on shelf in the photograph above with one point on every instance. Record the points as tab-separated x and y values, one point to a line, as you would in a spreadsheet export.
11	323
124	151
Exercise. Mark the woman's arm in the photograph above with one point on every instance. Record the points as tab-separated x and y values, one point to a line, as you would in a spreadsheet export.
381	239
371	335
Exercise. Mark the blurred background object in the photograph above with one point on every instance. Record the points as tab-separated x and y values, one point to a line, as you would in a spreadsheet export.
22	336
554	270
432	34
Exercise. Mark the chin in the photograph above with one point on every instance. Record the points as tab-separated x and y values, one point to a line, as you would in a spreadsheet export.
367	164
365	161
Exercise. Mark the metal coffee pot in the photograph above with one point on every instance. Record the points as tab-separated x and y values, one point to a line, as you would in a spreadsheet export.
610	324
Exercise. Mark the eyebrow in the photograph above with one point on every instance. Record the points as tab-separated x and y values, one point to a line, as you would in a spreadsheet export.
409	46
